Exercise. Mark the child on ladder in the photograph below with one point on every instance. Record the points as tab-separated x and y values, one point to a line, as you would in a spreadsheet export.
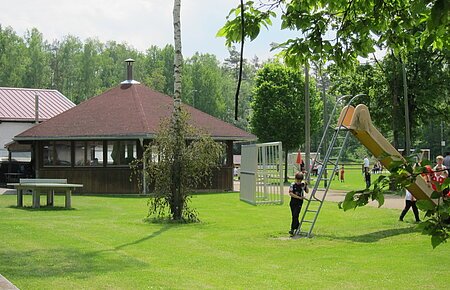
297	192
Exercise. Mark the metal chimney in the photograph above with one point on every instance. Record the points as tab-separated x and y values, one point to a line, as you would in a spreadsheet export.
36	108
129	79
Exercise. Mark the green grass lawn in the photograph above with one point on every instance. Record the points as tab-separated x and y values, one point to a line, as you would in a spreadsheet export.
104	244
354	179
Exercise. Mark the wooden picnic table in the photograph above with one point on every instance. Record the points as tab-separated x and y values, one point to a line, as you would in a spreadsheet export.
47	186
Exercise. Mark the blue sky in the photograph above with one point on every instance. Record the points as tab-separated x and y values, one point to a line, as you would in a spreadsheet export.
140	23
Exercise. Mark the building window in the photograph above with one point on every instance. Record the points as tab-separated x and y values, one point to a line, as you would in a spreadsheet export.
89	153
121	152
56	153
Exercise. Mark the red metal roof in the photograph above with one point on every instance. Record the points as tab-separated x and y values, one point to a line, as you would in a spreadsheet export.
129	110
18	104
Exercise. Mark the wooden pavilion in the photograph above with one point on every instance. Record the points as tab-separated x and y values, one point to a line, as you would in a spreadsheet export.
94	142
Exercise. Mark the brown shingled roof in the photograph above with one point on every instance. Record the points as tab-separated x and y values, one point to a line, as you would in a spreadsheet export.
123	112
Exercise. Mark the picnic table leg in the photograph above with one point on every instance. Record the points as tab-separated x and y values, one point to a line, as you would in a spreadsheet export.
68	197
36	198
20	198
50	197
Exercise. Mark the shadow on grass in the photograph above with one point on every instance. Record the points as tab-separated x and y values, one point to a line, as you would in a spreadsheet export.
43	208
125	195
375	236
70	261
165	228
63	262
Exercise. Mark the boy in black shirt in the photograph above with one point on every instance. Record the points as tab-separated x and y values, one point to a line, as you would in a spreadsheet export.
297	192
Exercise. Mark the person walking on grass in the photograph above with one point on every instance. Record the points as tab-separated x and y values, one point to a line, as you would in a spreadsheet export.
366	166
342	173
297	192
410	201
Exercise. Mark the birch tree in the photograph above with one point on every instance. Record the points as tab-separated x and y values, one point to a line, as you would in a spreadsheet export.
176	201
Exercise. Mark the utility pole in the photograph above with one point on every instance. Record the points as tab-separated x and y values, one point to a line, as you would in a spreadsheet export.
407	128
325	121
442	138
307	123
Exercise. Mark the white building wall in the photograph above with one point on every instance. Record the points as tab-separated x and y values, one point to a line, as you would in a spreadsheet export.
8	130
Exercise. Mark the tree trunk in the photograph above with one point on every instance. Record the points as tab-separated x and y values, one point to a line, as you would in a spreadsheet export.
177	203
178	61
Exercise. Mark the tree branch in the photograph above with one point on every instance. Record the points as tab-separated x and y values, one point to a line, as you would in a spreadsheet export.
241	61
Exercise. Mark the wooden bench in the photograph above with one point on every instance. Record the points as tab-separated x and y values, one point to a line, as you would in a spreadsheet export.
39	186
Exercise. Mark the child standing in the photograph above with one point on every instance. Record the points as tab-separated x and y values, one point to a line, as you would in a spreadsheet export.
342	173
440	168
440	174
297	192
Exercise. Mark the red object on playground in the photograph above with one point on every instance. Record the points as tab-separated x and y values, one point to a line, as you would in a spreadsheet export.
299	157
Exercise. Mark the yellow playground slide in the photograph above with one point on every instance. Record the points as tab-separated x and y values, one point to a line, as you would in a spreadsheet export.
358	121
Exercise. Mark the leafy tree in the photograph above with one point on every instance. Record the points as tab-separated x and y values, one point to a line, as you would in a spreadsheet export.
158	67
180	159
428	76
13	58
168	56
38	72
90	69
112	66
68	58
205	93
278	107
157	64
231	68
428	94
342	30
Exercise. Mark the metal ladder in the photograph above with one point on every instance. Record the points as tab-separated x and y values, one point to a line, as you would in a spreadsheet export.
339	138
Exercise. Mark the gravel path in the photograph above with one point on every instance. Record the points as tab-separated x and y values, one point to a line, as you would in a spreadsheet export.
390	201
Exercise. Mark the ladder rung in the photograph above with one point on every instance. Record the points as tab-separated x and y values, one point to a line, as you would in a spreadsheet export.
301	233
342	128
309	210
306	221
320	190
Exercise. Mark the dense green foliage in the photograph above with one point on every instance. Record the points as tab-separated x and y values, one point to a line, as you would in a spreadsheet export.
342	30
174	167
83	69
103	244
254	19
279	107
428	81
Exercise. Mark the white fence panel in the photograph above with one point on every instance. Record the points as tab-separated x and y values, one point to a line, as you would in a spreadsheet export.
261	173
